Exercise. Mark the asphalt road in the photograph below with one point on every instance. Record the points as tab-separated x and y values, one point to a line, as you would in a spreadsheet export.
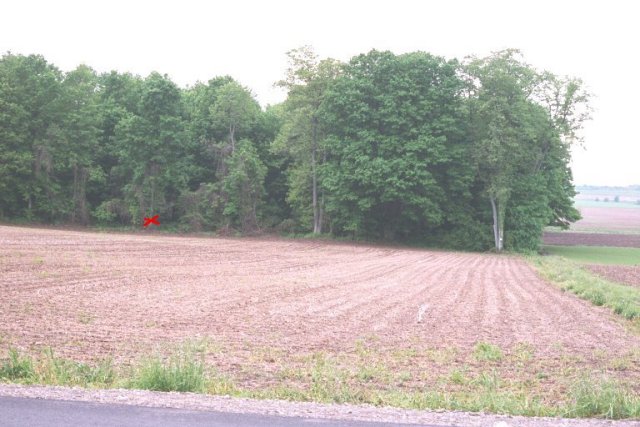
20	411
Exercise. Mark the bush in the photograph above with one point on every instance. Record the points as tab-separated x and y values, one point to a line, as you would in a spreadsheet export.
287	226
111	211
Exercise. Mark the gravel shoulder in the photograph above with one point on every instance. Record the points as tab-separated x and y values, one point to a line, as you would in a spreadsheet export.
191	401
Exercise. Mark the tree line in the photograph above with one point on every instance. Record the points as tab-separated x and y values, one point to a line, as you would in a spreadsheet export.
470	154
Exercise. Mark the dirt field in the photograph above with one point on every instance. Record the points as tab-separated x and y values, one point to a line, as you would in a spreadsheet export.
91	295
619	220
566	238
629	275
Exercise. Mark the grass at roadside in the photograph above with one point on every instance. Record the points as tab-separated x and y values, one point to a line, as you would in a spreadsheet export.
623	300
597	254
486	378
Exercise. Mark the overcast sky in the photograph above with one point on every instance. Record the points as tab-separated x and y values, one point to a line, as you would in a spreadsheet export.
197	40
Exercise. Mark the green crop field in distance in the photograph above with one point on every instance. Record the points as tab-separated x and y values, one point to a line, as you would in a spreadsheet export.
597	254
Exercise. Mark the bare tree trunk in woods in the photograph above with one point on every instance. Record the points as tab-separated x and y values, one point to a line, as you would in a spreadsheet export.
75	193
314	191
232	137
321	207
153	196
321	212
497	229
317	217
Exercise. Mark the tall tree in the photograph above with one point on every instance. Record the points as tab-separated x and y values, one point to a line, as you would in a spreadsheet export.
518	147
30	128
235	110
244	185
152	149
394	139
81	131
302	134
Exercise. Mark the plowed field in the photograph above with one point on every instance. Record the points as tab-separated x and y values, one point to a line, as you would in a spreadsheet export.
91	295
608	219
626	274
592	239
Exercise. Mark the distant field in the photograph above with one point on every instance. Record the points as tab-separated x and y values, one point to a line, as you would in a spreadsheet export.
610	204
568	238
608	220
597	254
627	275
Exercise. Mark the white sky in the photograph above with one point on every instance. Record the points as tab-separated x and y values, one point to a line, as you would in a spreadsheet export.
197	40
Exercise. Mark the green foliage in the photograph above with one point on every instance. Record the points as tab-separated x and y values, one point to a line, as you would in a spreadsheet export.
151	150
521	139
301	137
244	186
408	147
391	153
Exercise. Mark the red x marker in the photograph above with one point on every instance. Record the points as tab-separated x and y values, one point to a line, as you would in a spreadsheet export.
153	220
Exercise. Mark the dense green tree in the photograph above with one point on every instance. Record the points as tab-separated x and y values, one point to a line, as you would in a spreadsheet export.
30	128
519	152
204	134
244	186
119	96
393	123
236	111
81	127
152	150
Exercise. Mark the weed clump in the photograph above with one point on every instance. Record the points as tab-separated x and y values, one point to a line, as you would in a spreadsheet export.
486	351
605	398
183	371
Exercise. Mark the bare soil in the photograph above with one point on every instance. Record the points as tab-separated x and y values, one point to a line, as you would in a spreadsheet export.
566	238
93	295
629	275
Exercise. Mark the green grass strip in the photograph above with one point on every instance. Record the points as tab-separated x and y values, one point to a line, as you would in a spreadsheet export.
623	300
597	254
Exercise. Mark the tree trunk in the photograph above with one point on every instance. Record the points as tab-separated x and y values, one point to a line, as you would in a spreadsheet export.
317	228
497	227
75	193
321	212
232	137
